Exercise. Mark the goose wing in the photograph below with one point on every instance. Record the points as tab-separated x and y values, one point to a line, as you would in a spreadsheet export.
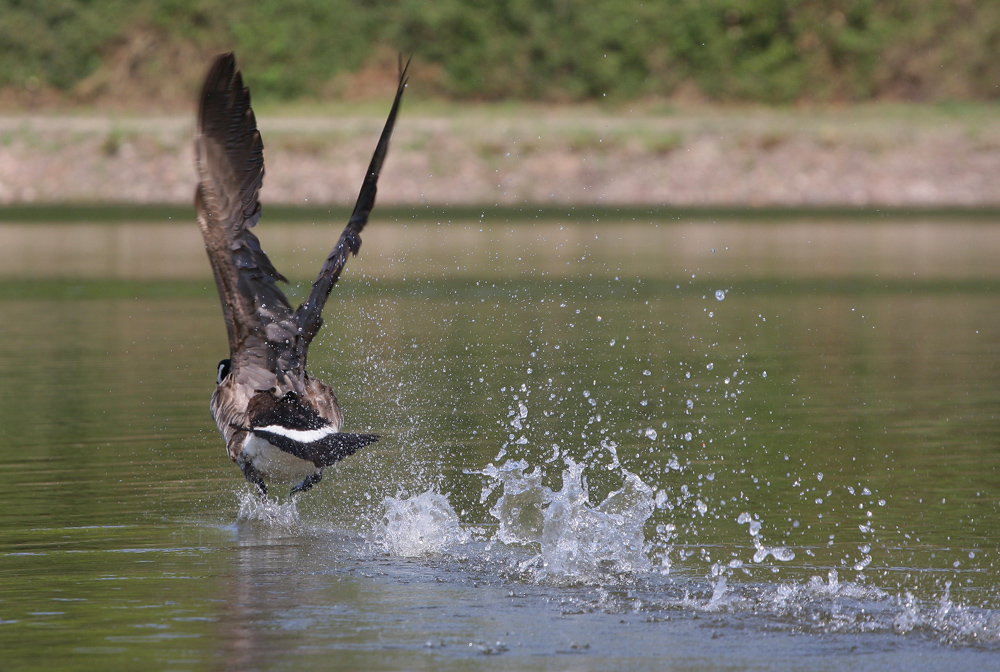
230	163
309	314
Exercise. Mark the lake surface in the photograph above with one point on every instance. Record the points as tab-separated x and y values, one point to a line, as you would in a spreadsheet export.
606	445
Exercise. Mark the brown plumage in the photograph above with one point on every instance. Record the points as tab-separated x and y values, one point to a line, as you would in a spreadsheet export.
265	381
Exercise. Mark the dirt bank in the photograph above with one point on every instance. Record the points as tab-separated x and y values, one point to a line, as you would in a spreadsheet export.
892	157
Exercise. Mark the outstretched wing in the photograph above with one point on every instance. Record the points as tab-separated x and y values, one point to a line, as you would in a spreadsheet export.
309	314
230	162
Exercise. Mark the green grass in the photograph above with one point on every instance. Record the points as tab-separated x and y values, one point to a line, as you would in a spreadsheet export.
767	51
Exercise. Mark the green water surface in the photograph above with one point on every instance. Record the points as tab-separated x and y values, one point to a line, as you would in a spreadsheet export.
837	381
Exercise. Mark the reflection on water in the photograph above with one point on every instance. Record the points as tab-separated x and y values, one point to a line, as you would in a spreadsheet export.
889	250
659	434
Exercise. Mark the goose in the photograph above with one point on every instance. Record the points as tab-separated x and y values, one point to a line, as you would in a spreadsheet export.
280	424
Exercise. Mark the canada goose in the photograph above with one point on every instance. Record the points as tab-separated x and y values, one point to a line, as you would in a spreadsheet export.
280	424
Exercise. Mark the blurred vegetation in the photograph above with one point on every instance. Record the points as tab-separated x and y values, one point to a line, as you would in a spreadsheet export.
770	51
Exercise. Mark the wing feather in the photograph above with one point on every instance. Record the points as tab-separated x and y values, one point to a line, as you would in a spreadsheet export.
309	314
230	162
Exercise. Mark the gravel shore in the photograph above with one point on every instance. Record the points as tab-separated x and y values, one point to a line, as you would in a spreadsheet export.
546	157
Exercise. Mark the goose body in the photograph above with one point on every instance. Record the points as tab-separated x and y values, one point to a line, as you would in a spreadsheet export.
280	424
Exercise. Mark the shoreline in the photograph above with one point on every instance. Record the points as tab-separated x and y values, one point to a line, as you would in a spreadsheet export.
690	160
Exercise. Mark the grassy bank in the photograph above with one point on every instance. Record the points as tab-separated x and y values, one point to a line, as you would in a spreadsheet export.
152	53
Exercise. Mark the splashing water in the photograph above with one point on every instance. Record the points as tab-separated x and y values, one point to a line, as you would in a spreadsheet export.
655	533
577	541
780	553
580	543
267	512
421	525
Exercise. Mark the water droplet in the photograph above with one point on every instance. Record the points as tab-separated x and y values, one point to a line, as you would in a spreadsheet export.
650	433
783	554
661	498
720	294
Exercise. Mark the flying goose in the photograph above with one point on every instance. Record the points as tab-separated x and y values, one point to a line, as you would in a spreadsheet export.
279	423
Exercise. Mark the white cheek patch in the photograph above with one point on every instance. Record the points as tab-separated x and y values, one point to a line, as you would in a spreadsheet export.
299	435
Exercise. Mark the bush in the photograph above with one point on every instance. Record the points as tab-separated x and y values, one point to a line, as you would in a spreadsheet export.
771	51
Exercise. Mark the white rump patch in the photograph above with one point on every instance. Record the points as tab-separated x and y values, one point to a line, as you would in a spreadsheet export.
300	435
274	464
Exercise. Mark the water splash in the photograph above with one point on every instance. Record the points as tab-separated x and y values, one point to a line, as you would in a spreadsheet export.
421	525
849	607
656	533
267	512
519	510
780	553
577	541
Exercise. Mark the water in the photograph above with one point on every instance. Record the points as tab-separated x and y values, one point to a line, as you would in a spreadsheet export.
607	445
